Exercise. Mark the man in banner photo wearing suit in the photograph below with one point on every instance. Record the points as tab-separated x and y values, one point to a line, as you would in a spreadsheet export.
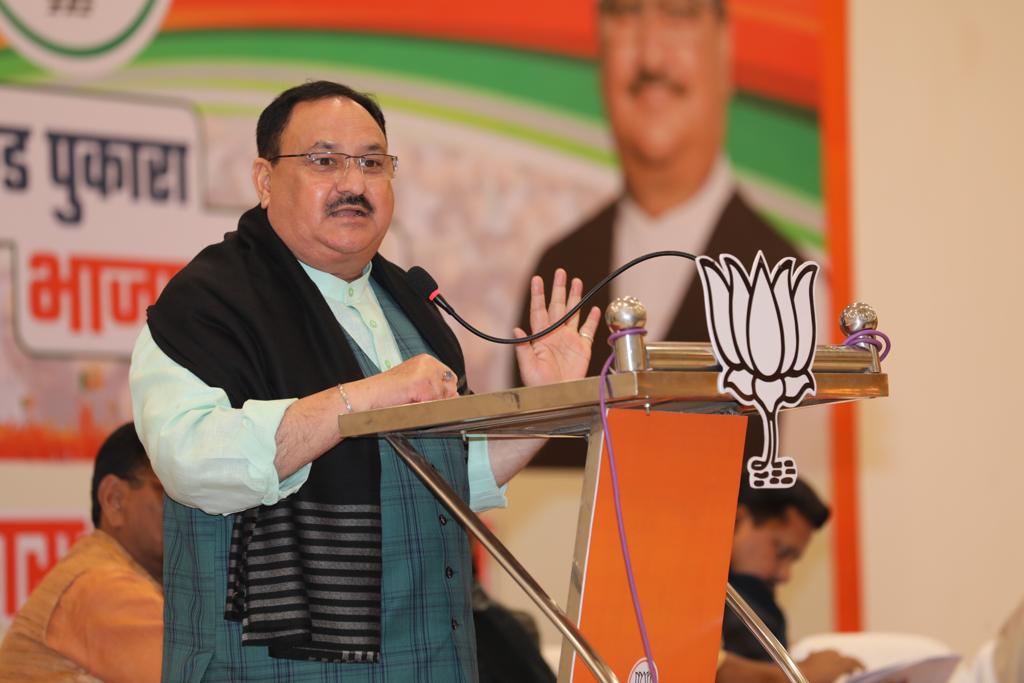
665	80
291	554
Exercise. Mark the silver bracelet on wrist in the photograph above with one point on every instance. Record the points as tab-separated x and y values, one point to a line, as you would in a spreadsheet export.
344	398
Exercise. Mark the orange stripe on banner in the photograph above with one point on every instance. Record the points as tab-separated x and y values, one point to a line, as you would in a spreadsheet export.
777	48
565	27
835	136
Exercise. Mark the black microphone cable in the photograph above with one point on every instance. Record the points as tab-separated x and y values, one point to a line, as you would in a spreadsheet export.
427	286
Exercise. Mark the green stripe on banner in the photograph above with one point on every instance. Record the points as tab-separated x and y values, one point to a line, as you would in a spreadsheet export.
796	234
507	128
776	141
16	69
562	83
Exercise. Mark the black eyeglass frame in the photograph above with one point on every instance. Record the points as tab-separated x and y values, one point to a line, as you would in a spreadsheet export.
310	156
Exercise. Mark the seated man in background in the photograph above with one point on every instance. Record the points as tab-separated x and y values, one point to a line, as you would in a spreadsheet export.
773	527
99	611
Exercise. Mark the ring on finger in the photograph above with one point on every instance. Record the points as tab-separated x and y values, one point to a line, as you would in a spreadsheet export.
447	376
586	335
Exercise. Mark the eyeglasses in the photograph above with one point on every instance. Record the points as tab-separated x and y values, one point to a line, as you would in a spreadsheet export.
372	165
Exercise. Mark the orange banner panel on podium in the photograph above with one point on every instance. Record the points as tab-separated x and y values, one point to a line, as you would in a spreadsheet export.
679	479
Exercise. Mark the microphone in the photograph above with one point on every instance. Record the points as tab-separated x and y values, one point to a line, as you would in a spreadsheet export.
427	287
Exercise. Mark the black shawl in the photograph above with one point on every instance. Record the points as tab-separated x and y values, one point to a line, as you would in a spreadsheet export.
304	574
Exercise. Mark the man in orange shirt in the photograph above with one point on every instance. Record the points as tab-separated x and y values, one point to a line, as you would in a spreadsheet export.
98	614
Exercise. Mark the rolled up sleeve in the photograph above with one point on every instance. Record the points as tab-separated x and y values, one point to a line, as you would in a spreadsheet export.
484	492
207	454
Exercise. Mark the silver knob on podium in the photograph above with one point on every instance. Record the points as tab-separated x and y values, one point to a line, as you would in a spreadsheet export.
861	316
626	313
856	317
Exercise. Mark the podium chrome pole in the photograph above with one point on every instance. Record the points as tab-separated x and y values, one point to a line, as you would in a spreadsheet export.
471	522
764	636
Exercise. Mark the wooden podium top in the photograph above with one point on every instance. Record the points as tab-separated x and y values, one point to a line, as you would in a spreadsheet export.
685	379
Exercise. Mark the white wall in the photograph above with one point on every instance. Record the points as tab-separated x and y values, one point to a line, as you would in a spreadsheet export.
937	96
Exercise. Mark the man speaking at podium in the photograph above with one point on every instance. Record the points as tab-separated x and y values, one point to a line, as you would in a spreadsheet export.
291	554
665	80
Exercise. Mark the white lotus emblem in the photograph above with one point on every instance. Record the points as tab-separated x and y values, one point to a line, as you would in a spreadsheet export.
762	331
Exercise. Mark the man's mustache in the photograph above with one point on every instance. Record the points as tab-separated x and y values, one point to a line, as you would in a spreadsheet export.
645	77
350	201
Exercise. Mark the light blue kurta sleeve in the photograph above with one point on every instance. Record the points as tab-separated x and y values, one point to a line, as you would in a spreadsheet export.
207	454
484	492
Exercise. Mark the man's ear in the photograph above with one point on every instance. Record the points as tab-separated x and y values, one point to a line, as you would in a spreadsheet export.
111	494
261	180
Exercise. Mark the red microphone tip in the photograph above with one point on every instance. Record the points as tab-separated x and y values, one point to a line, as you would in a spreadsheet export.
434	294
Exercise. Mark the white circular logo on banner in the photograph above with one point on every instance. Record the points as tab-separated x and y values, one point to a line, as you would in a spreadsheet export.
641	672
80	37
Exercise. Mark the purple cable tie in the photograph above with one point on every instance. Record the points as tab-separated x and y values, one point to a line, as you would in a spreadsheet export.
622	333
633	592
876	338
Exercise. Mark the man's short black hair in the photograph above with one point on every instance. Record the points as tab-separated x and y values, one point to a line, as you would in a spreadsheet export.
767	504
123	456
274	118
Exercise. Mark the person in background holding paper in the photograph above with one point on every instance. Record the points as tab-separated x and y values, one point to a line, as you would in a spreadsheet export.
820	667
773	527
98	613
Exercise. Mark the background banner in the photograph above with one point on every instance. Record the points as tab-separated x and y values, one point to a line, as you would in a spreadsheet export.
127	135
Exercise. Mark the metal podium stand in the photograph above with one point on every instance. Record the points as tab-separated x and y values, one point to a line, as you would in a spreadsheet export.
682	377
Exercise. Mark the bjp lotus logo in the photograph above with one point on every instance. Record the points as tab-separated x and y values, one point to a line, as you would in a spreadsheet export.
763	334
